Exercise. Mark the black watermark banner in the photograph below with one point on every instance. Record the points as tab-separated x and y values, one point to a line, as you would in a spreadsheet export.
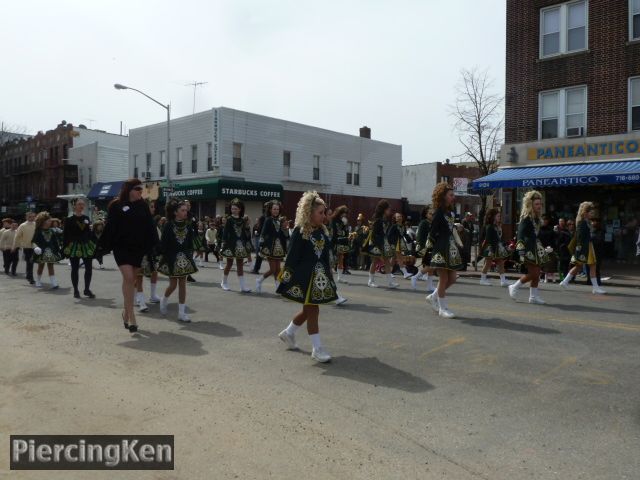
91	452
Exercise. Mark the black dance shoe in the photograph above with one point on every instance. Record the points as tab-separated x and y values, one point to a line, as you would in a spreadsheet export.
190	278
89	293
133	328
76	294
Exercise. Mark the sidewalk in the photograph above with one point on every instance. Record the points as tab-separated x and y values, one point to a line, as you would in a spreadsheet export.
620	275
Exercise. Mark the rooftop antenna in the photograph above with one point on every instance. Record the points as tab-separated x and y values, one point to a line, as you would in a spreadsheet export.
90	120
195	84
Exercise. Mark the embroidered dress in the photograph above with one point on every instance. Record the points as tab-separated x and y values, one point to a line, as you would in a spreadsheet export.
306	276
445	253
378	242
492	246
176	250
273	239
49	242
529	246
583	252
421	242
201	244
77	238
340	236
235	239
399	241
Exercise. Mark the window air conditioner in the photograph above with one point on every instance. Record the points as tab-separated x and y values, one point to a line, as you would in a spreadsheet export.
575	132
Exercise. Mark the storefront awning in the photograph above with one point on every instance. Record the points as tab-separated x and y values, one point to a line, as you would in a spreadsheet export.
104	191
570	175
215	188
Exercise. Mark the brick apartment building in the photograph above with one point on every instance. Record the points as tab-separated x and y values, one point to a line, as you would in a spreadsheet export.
572	121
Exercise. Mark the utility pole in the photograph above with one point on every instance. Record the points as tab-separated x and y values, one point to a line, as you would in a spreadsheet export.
195	84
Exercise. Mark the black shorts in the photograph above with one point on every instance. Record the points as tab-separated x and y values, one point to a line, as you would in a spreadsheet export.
128	257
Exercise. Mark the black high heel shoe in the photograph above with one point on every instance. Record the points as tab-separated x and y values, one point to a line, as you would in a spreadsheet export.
126	325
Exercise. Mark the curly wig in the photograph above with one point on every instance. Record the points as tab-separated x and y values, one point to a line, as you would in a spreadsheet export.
306	204
41	218
380	209
491	216
439	192
172	207
338	212
527	204
269	205
583	210
425	211
238	203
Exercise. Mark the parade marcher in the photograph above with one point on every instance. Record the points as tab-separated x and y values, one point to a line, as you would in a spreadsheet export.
529	247
148	268
176	255
400	241
97	230
563	239
583	251
79	245
444	244
425	272
47	249
130	233
273	242
23	240
339	228
9	256
549	239
597	240
257	230
248	231
236	244
493	249
219	233
201	245
378	245
193	223
306	277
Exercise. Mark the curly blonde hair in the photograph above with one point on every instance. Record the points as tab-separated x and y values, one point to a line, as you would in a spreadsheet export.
439	192
583	209
307	202
527	203
41	218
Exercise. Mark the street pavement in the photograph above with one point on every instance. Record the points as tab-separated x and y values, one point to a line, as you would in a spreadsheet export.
506	390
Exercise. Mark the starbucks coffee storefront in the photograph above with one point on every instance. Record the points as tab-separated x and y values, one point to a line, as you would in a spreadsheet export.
211	196
603	170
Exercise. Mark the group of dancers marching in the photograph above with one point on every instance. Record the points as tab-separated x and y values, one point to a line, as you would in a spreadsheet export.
317	245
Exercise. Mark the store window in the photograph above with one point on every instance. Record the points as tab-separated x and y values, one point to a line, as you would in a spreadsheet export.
563	113
634	103
634	19
563	28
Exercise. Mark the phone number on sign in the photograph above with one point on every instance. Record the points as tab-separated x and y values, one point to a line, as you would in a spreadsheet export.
627	178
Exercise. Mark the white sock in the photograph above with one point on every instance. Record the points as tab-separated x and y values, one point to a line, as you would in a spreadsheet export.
154	287
503	277
483	276
518	284
277	284
225	278
52	279
533	292
390	277
260	279
338	275
444	304
181	308
567	279
429	282
38	278
292	329
594	282
139	297
404	270
241	280
371	275
315	340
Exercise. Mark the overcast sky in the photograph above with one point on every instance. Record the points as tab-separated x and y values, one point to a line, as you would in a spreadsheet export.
336	64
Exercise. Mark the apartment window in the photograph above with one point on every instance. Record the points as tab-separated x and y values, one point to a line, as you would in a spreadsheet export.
634	103
286	163
445	179
634	19
563	28
353	173
379	178
135	172
163	162
148	163
563	113
194	158
179	161
135	166
237	157
81	176
316	167
65	151
90	176
209	157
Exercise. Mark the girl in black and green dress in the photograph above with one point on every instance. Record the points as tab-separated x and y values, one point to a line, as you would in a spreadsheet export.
341	248
582	249
532	252
176	256
399	239
273	242
493	249
445	246
79	245
306	277
47	249
236	239
200	246
426	272
378	245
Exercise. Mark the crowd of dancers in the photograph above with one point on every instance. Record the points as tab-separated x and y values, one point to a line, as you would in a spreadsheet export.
302	255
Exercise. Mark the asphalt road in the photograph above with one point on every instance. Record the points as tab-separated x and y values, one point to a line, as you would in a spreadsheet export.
505	391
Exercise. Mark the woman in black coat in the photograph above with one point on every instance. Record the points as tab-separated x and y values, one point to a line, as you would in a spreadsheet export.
130	233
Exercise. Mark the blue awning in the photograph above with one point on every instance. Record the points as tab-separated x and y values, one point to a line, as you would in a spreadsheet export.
571	175
104	191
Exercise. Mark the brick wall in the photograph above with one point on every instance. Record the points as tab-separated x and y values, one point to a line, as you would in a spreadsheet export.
605	68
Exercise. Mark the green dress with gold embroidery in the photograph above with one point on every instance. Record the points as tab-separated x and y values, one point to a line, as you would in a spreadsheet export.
77	238
273	239
51	245
529	246
306	276
176	249
445	252
236	239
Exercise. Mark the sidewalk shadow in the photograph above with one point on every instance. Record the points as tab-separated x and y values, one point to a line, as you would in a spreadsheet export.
372	371
361	307
165	342
57	291
216	329
97	302
507	325
471	295
589	308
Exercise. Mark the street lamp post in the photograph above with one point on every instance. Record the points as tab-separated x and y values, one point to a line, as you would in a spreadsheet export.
167	107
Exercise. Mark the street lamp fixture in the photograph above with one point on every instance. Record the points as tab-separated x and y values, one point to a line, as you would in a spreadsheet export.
119	86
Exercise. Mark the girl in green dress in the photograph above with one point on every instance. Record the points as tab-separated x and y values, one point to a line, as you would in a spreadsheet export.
426	272
306	277
47	249
273	242
340	228
493	249
529	246
236	239
582	250
378	245
79	245
176	256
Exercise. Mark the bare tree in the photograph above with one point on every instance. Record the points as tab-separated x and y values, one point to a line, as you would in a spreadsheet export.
10	131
